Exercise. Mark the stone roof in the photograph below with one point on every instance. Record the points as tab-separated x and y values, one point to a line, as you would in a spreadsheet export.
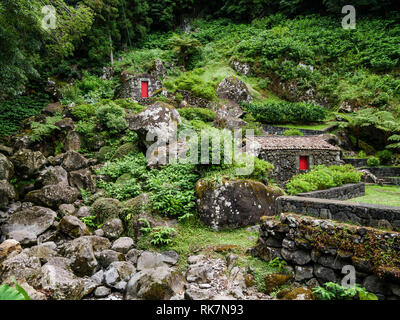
293	143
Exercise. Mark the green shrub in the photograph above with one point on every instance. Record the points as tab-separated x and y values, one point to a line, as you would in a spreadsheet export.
192	82
202	114
90	89
384	156
172	189
286	112
334	291
112	116
84	111
322	177
373	162
293	132
41	130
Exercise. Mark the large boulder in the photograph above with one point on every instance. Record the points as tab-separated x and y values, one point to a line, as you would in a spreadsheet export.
53	195
51	175
235	203
25	225
6	168
73	141
7	193
105	208
159	120
7	247
74	161
160	283
28	162
21	266
62	283
82	179
232	88
73	227
81	252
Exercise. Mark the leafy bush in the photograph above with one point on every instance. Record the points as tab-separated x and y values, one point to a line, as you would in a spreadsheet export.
90	89
192	82
293	132
384	156
112	116
172	189
202	114
286	112
84	111
41	130
160	236
322	177
373	162
334	291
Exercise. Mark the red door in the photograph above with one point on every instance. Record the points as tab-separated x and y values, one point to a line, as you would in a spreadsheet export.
303	164
145	89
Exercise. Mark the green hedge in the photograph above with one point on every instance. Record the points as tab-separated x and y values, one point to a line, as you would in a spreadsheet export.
322	177
286	112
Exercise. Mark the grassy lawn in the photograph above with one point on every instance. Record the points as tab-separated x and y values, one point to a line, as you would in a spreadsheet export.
319	126
385	195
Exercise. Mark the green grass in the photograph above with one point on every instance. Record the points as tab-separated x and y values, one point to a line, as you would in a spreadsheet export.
385	195
304	126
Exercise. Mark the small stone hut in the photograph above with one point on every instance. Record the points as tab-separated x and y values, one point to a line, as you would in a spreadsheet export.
139	87
295	154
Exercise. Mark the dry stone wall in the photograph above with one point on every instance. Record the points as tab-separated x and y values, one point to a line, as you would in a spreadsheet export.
344	192
317	250
363	214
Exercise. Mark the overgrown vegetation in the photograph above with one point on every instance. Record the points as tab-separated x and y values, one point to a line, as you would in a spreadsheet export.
323	177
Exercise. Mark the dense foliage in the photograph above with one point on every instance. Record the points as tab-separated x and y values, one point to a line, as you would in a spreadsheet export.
322	177
286	112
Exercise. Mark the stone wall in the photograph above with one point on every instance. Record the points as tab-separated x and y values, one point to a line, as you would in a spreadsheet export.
356	162
317	250
384	171
363	214
276	130
286	162
131	87
344	192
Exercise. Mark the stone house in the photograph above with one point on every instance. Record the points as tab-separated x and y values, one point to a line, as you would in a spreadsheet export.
139	87
295	154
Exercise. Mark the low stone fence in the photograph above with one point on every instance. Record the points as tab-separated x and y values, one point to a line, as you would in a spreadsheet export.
363	214
384	171
276	130
344	192
356	162
317	250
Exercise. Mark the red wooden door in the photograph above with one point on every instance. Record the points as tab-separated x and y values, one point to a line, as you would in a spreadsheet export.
303	164
145	89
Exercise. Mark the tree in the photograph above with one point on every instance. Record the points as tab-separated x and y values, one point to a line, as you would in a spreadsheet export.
183	45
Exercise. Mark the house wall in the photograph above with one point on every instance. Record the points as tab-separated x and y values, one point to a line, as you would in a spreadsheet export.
286	162
132	87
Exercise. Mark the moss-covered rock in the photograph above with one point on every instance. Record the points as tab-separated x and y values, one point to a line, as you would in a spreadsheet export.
235	203
105	208
276	280
301	293
124	150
